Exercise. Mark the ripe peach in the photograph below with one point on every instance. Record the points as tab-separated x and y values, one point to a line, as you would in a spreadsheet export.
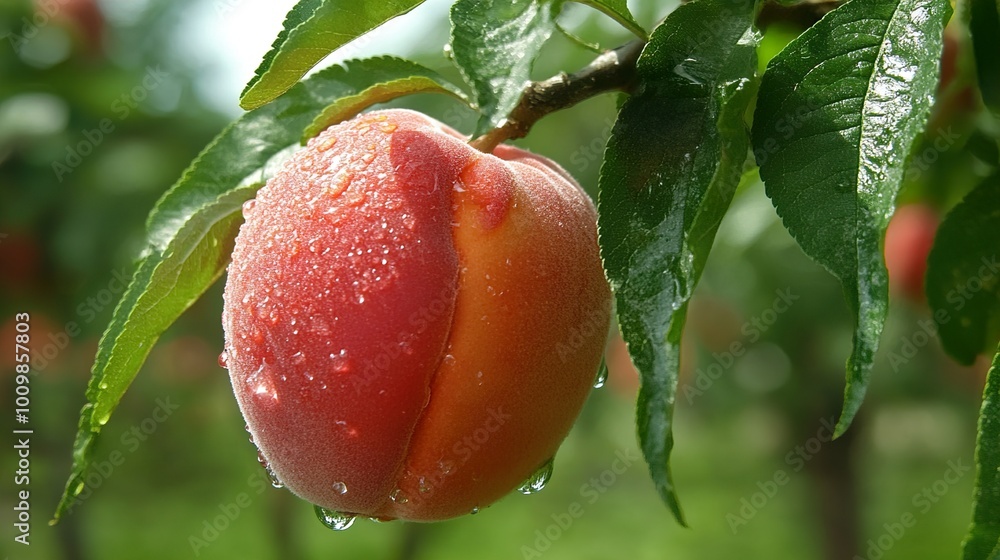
412	326
83	18
908	242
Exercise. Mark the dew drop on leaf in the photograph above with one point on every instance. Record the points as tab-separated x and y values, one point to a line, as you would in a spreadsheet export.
537	481
334	519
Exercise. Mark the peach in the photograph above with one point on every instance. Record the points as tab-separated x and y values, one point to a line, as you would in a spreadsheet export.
412	326
908	242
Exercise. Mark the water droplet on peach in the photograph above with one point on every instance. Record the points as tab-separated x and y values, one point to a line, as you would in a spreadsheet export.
339	183
340	363
334	519
306	163
538	479
602	376
261	384
326	144
267	468
397	496
355	198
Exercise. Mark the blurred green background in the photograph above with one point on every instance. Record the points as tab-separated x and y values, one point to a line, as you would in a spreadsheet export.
103	104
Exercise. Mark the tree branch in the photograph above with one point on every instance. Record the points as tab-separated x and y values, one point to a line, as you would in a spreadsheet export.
613	70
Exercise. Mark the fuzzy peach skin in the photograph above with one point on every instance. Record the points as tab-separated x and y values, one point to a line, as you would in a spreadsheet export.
412	326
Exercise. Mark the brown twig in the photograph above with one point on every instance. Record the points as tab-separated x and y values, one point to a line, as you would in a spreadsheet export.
611	71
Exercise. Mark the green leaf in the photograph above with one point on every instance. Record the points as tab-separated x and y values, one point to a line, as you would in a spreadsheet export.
312	30
985	29
376	80
190	234
963	273
618	9
837	114
167	281
495	44
983	541
671	168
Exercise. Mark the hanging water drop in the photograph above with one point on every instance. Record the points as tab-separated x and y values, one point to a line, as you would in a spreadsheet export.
474	511
224	360
275	482
248	207
537	481
267	468
334	519
602	375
